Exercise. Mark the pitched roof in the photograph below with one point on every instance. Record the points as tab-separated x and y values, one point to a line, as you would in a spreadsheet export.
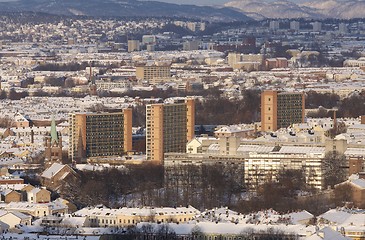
52	170
327	233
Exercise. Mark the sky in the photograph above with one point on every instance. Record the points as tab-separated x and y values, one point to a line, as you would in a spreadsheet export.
208	2
194	2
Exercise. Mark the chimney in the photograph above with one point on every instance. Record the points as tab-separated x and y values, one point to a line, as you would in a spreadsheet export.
31	136
90	74
334	120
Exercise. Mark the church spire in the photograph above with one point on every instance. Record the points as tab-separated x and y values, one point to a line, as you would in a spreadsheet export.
54	136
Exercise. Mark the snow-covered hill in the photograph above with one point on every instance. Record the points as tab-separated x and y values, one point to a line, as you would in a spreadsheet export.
308	9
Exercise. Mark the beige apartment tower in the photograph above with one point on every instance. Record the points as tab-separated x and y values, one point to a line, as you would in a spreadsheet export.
169	126
133	46
154	73
99	134
281	109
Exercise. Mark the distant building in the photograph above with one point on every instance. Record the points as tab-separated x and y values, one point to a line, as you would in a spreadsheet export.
150	47
317	26
20	121
272	63
281	109
148	39
133	45
99	134
274	25
169	127
295	25
246	62
342	28
153	72
191	45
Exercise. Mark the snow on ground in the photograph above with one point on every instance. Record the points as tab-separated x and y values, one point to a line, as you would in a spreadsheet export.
29	236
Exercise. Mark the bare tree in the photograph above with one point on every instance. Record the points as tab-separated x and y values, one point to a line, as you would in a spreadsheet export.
343	194
165	232
334	168
6	122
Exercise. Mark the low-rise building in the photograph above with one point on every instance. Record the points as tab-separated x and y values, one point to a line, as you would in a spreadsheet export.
355	187
39	195
14	218
56	207
56	175
106	217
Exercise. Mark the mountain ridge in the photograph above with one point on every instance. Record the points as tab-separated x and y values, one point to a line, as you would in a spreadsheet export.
344	9
126	8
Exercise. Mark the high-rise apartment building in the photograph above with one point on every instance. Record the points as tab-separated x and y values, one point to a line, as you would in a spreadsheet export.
169	126
281	109
153	72
133	45
99	134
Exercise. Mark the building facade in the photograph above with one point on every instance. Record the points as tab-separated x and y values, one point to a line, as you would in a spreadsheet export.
153	72
133	45
100	134
169	127
124	217
264	167
281	109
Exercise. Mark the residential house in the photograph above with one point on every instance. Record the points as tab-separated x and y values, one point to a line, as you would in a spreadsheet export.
54	176
14	218
356	187
9	195
39	195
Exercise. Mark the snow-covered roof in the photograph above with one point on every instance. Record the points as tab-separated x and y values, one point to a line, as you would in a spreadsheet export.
327	233
255	148
144	211
336	216
13	186
52	170
302	150
73	221
297	217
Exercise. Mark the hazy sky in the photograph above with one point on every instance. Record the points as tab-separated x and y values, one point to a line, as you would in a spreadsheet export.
195	2
208	2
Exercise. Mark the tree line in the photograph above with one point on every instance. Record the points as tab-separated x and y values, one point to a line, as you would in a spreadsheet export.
148	185
166	232
204	187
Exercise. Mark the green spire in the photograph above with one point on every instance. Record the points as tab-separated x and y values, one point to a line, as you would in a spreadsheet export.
54	136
